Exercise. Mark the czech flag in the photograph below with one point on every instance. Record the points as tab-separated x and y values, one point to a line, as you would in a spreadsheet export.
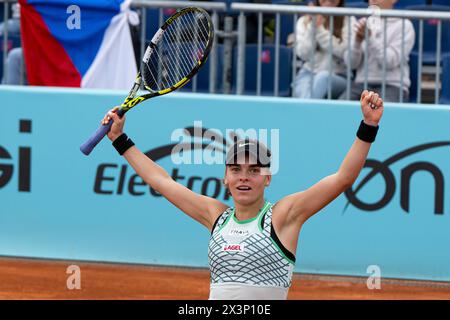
78	43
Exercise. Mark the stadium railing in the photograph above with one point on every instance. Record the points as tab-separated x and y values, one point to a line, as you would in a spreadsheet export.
282	13
296	11
7	42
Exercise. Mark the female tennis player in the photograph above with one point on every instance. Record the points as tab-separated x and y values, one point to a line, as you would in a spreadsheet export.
252	245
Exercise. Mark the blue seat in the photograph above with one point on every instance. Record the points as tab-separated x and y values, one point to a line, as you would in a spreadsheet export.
445	78
430	34
2	12
287	26
152	22
402	4
356	4
267	70
428	7
440	3
413	67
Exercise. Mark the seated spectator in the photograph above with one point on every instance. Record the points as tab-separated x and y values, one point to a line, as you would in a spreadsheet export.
313	78
375	55
15	73
13	24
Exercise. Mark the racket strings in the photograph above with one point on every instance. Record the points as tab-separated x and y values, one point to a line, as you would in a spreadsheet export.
186	48
181	50
178	51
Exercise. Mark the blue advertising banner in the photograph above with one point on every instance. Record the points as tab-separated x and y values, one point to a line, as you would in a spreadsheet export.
57	203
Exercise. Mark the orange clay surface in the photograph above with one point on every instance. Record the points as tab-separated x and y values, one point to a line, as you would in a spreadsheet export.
44	279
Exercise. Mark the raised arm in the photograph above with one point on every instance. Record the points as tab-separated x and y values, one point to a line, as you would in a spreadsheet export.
300	206
201	208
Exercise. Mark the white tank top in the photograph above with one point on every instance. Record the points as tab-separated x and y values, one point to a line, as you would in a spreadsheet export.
246	259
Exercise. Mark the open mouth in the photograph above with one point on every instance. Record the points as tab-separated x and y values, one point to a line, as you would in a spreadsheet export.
244	188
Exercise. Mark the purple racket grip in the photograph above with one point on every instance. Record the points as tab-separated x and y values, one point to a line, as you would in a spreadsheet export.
98	135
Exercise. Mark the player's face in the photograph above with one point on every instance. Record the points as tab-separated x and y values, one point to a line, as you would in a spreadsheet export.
246	182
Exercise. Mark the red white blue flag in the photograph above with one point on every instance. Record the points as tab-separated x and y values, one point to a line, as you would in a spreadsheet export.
78	43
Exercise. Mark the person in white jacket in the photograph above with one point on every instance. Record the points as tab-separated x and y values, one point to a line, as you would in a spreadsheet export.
312	46
376	60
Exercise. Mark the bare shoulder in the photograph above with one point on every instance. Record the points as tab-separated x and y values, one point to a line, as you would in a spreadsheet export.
215	209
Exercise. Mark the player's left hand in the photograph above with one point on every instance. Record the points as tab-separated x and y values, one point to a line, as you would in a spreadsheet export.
371	107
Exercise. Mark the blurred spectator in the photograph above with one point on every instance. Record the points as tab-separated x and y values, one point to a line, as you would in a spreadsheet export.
13	24
14	73
375	55
313	78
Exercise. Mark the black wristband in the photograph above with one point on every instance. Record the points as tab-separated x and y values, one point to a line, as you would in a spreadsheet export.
122	143
367	133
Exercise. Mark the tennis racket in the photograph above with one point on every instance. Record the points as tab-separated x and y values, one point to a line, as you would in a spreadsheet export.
175	54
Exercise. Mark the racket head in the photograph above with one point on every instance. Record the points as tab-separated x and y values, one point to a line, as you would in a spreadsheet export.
177	51
175	54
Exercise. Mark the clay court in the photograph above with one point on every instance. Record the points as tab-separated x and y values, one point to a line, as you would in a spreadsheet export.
41	279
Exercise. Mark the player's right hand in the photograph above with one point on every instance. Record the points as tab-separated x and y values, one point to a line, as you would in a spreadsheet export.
117	127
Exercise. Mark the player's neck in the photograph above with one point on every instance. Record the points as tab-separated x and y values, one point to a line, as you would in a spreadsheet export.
245	212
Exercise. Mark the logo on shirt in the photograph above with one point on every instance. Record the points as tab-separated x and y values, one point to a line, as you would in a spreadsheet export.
238	233
245	144
233	247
